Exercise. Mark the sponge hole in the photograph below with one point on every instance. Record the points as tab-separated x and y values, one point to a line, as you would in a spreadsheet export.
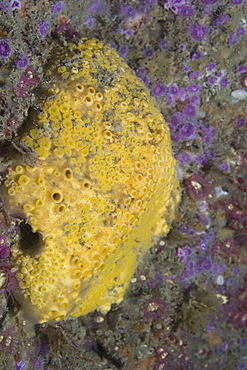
56	196
68	173
29	240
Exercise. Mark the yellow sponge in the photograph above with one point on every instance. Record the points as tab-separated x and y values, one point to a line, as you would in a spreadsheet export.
103	186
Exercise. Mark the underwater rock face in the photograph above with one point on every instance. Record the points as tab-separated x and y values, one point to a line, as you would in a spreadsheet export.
103	185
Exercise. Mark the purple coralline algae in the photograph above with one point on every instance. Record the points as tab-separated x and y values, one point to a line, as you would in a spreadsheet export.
5	49
4	247
22	62
198	187
197	32
26	83
43	29
154	309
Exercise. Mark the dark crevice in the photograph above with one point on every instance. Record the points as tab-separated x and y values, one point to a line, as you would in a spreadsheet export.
30	242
